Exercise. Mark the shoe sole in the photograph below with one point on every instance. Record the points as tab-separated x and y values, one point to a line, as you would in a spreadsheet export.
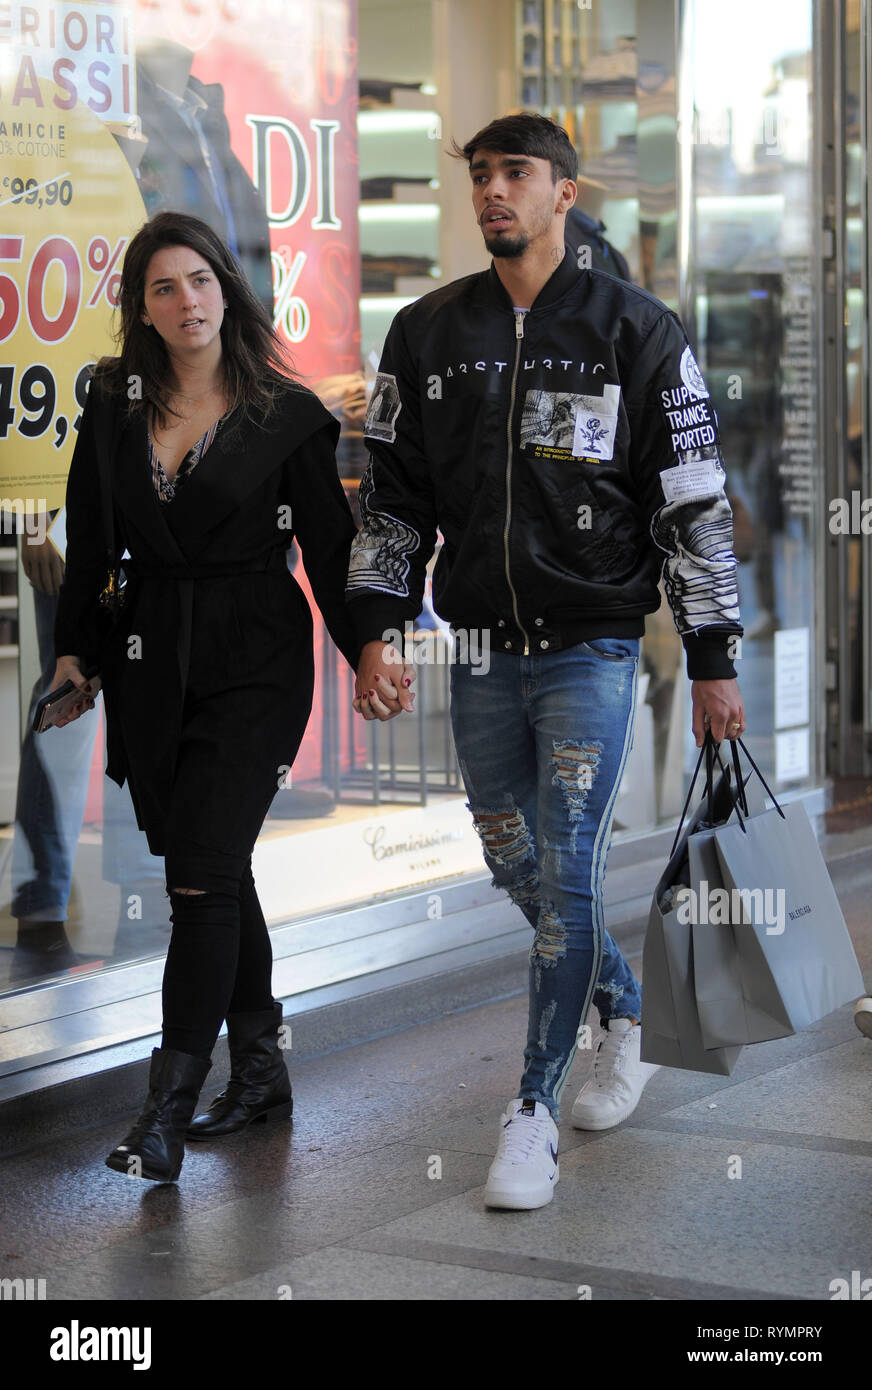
515	1201
610	1124
863	1018
603	1124
120	1166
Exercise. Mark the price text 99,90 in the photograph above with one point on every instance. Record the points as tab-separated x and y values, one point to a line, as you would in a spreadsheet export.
17	190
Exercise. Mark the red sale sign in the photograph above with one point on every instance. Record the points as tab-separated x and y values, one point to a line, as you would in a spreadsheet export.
284	79
271	87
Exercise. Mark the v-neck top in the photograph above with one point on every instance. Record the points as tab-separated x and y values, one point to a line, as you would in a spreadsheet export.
166	489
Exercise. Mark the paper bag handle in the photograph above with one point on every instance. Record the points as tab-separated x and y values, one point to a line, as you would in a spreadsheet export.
704	752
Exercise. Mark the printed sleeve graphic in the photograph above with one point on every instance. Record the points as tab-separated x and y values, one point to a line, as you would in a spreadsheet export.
699	574
578	426
681	471
384	407
379	553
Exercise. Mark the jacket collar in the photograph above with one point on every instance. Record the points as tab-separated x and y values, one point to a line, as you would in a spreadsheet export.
556	286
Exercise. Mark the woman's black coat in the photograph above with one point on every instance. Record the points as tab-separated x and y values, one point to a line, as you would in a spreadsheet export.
208	674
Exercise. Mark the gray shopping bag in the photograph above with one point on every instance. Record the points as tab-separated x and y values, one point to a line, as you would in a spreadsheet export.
726	1015
795	956
671	1033
670	1020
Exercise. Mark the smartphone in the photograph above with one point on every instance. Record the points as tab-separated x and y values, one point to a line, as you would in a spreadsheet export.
58	703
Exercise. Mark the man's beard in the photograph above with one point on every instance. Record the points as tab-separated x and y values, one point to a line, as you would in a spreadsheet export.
512	247
508	247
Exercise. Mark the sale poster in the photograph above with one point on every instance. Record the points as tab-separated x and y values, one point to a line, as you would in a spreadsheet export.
242	114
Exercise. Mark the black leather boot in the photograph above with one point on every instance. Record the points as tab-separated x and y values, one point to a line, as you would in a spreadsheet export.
259	1086
155	1146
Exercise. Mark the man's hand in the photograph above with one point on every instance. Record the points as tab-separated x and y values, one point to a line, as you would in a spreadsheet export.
383	680
42	564
718	705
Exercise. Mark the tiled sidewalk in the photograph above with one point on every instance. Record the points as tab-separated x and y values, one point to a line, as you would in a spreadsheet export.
376	1190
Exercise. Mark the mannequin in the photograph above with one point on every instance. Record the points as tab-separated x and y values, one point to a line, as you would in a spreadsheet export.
167	63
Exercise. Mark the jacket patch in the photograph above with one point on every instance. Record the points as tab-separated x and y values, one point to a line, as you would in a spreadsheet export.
383	409
692	424
571	426
691	374
693	478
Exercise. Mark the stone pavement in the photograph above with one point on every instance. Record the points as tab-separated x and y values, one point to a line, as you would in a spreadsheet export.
375	1192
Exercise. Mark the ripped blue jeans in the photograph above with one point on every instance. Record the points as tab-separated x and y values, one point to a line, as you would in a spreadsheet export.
542	742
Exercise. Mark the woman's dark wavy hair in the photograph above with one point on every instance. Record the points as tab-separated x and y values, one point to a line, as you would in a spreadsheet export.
255	360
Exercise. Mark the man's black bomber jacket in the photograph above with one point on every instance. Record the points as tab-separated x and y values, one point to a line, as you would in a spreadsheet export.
569	456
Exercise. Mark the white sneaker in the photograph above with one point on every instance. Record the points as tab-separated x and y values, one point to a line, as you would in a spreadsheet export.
618	1078
863	1016
525	1171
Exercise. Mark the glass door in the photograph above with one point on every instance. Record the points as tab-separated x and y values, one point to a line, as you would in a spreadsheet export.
749	296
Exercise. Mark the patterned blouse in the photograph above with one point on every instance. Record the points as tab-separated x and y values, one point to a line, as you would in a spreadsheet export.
166	489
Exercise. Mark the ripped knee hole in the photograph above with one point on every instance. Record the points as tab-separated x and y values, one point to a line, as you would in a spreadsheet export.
504	834
576	764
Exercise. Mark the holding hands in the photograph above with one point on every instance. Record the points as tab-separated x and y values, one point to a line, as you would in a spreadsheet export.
382	689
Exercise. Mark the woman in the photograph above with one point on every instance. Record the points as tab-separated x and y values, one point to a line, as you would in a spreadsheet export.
218	459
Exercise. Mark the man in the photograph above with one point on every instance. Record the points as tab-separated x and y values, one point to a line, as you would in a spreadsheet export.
554	553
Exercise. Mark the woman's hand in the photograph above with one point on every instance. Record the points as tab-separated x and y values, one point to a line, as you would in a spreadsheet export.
383	679
69	669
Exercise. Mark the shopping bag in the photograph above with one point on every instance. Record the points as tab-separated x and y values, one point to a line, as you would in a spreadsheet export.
720	994
671	1033
726	1015
796	960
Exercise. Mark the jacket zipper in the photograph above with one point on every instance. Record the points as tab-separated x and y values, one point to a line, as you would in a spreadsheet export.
519	334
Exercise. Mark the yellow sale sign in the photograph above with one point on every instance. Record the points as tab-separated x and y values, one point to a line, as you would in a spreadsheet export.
68	203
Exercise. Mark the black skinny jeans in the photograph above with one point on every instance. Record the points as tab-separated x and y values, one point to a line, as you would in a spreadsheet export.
220	956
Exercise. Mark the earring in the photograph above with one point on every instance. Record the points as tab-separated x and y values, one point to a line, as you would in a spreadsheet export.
226	305
147	322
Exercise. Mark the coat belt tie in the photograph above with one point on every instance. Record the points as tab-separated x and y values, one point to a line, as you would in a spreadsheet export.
184	575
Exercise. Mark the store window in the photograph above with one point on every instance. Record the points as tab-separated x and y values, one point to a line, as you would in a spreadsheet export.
311	133
751	297
320	172
703	179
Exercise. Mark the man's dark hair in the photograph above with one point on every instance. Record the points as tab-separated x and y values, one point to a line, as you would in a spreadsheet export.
525	133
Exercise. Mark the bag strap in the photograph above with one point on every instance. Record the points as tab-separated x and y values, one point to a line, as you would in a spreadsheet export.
741	782
766	786
107	508
702	754
711	752
740	798
709	746
106	439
